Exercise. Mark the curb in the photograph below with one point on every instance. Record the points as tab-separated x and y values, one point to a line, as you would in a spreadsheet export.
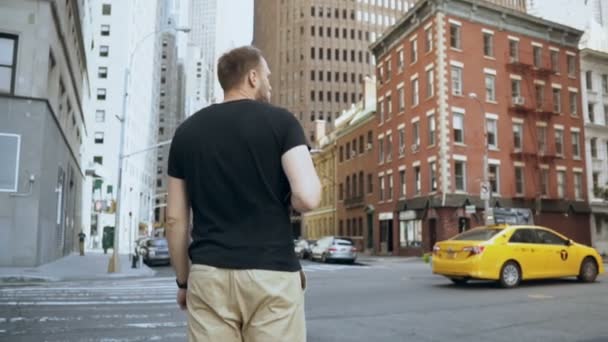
17	279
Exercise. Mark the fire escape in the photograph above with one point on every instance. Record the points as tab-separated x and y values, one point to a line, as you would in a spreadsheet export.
533	105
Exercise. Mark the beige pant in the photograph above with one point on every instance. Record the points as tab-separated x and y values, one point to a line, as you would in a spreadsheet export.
227	305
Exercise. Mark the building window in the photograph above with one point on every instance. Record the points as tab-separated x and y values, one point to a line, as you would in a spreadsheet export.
100	116
431	129
573	103
104	51
105	30
458	127
381	150
516	91
428	39
589	79
433	176
8	62
488	44
460	175
518	130
595	179
10	145
415	94
455	41
561	184
559	142
402	184
98	160
401	141
410	233
519	180
494	177
401	100
416	134
389	147
389	107
312	53
513	51
312	11
539	92
389	194
557	100
605	84
381	181
414	51
341	192
389	69
554	61
102	72
417	180
456	80
490	88
537	53
101	94
370	186
544	182
571	66
492	128
591	111
593	147
361	147
578	185
541	139
106	9
576	146
400	61
430	83
98	137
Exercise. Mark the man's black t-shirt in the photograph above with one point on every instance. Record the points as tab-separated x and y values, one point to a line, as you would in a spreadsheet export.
229	155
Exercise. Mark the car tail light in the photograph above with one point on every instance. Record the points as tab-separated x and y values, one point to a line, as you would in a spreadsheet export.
436	249
333	249
354	249
474	249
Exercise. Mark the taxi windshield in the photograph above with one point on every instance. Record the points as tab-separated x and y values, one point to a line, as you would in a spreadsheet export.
482	234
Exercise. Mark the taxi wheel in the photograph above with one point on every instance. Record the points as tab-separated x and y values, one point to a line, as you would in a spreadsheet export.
460	281
510	275
588	272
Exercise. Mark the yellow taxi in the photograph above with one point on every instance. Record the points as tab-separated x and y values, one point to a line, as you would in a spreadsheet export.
512	253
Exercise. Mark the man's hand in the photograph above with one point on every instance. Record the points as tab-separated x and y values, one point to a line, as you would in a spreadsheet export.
181	298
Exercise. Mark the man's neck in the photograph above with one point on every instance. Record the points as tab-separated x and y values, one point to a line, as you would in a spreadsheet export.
237	95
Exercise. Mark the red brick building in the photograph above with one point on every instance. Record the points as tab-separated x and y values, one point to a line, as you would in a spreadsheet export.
430	131
356	169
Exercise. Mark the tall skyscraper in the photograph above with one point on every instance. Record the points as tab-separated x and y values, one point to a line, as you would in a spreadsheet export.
43	84
170	103
318	51
122	50
201	55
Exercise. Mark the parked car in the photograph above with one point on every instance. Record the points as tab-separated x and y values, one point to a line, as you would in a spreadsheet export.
155	251
334	248
512	253
303	247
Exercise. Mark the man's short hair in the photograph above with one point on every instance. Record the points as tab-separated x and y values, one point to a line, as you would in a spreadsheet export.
234	65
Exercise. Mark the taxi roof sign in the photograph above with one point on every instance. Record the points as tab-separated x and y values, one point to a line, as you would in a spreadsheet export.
513	216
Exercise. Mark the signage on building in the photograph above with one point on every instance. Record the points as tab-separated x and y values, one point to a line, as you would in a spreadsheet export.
485	191
469	209
407	215
385	216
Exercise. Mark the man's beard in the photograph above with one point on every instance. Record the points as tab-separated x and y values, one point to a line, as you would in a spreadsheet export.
261	96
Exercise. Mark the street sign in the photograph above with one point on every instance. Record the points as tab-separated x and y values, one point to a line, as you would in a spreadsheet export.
485	191
469	209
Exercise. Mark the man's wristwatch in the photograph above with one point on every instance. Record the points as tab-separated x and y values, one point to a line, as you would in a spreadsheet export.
181	285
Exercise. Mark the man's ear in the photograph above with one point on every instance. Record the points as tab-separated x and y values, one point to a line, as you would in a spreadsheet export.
252	78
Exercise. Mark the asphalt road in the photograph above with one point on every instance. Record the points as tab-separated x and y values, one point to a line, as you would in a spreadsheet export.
385	300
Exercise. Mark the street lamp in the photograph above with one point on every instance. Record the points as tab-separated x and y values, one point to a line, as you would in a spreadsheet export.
486	189
115	264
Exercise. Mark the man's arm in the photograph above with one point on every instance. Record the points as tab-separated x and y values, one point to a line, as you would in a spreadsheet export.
178	220
303	179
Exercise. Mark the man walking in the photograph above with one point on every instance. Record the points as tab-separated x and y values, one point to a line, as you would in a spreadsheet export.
81	237
238	166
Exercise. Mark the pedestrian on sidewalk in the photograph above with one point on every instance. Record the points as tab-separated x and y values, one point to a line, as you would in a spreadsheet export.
81	237
239	166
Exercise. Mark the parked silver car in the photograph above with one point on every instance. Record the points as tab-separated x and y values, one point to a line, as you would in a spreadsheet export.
334	248
155	250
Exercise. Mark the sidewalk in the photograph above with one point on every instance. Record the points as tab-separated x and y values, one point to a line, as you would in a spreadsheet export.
74	267
386	258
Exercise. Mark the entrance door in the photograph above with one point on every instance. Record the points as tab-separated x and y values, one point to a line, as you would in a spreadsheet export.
370	231
390	232
432	233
